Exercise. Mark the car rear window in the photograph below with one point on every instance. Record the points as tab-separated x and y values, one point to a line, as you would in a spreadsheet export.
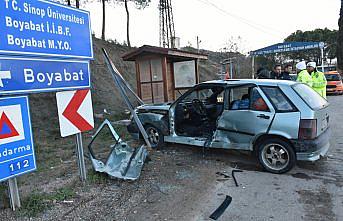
332	77
312	98
280	102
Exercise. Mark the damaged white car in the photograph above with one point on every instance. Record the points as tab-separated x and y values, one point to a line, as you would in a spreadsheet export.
282	121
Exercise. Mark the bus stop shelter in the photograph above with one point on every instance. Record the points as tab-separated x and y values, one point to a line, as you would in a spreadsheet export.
287	47
163	74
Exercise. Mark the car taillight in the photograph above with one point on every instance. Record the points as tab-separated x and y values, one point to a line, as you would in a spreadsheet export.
308	129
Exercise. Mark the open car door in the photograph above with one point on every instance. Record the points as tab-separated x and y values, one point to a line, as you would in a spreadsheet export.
193	117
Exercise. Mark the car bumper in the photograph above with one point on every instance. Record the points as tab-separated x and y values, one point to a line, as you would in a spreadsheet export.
334	90
312	150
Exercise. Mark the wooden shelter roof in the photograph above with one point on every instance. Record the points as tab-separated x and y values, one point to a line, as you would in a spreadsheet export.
171	54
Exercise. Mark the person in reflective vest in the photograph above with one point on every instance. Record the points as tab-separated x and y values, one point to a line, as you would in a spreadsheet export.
318	79
303	75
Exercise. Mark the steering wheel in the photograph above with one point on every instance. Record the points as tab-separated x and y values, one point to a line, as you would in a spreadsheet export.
199	107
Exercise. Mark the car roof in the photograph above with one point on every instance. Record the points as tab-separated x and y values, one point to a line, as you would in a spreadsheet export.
264	82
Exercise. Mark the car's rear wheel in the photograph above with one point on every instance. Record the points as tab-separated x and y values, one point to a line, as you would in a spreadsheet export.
155	136
276	155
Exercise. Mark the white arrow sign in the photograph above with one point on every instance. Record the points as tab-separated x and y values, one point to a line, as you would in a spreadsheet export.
4	75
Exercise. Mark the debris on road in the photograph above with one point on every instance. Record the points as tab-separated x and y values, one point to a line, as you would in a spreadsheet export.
124	162
233	175
221	209
223	174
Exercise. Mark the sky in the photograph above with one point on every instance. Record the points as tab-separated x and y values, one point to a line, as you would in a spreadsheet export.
259	23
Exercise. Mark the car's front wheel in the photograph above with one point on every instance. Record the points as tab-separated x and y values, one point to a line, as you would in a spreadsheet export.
155	136
276	155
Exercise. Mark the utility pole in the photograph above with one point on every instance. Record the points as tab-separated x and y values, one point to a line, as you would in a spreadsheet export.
198	44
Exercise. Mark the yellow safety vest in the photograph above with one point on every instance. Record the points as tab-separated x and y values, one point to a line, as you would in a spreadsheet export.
319	83
304	77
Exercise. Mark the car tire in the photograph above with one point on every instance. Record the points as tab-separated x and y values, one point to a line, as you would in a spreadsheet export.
155	136
276	155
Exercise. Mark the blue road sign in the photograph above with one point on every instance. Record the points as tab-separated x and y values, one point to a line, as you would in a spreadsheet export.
44	28
20	75
16	144
287	47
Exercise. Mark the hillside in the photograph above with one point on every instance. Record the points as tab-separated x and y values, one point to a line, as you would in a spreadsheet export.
56	179
104	92
55	155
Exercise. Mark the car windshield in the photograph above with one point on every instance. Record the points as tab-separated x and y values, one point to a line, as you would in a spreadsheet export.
312	98
332	77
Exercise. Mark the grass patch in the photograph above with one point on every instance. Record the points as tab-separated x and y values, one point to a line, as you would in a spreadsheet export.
4	198
64	193
115	116
94	177
3	187
105	135
36	203
123	133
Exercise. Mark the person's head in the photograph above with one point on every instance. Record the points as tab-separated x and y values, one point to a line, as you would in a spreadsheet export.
301	65
288	68
277	69
245	97
311	66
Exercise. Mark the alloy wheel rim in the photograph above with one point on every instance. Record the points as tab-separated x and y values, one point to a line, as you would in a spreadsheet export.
275	156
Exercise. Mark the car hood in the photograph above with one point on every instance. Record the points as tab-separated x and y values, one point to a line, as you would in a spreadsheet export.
163	106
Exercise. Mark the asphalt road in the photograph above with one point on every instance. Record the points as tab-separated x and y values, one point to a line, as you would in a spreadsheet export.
311	191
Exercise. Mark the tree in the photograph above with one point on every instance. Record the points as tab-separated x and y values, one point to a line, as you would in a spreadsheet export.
140	4
69	2
340	40
103	19
329	37
127	24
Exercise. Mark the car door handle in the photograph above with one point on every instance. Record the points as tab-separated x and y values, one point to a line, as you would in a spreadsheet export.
263	116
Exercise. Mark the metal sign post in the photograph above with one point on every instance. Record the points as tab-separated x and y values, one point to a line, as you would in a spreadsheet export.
75	114
321	46
14	193
116	77
81	158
